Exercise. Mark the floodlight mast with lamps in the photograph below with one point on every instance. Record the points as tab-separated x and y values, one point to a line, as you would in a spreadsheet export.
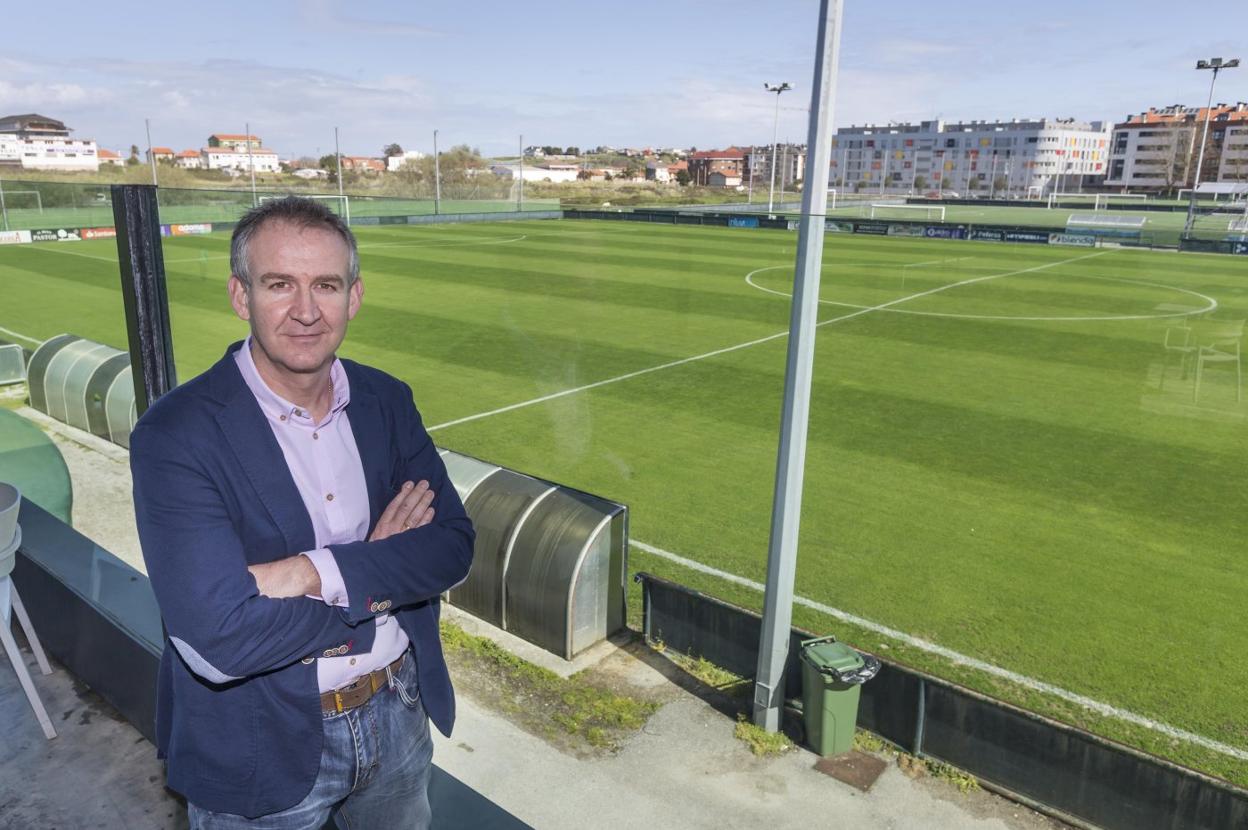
775	137
1217	65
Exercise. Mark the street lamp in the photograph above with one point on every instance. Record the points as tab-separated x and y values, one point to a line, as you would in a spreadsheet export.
775	137
1217	65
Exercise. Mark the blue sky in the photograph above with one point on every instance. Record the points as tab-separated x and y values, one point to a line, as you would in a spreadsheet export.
644	73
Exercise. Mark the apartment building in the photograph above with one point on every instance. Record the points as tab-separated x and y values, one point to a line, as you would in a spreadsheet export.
1019	157
1157	150
36	142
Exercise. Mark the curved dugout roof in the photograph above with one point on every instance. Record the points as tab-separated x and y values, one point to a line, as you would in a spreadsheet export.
84	384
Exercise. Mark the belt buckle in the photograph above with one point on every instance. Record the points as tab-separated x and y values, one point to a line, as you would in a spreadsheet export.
338	707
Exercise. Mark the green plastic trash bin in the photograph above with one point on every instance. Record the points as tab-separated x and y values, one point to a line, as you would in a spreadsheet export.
832	676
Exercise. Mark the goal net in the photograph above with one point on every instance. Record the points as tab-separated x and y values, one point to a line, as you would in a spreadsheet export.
887	211
1103	199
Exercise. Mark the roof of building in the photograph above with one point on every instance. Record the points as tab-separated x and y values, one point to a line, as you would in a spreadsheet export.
31	122
234	137
241	151
188	154
1179	114
730	153
162	151
107	154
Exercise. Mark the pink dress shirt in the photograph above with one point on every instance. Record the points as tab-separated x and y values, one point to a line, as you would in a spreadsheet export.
325	463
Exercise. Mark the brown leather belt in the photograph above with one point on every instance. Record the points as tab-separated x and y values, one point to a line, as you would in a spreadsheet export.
359	692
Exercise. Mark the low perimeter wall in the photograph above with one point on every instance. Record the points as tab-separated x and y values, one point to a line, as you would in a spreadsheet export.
1051	765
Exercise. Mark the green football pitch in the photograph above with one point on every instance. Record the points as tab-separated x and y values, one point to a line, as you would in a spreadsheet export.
1004	458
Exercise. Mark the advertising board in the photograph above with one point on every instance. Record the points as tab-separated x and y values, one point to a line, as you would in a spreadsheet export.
1081	240
193	229
945	232
743	221
905	230
99	233
14	237
56	235
874	228
833	226
988	234
1040	237
1240	248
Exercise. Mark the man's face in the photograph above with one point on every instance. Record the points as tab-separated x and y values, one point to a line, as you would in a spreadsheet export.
298	302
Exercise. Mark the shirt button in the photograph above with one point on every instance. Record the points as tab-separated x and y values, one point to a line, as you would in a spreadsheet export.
283	417
329	497
353	661
315	436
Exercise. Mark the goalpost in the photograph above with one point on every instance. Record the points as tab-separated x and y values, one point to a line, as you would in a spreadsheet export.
831	198
1102	199
940	209
343	202
9	194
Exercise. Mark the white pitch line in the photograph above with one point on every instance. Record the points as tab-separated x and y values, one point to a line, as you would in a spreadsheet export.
727	349
1211	304
1101	708
12	333
56	248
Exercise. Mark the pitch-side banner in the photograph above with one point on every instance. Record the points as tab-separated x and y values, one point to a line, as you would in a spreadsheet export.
1240	247
56	235
14	237
195	229
1079	239
99	233
945	232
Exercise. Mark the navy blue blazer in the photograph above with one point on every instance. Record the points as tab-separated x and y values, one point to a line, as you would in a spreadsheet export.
238	710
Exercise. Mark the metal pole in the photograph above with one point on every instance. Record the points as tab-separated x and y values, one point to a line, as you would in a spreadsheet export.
749	198
992	177
4	211
1204	135
145	295
883	171
773	648
520	198
437	177
151	156
251	164
338	159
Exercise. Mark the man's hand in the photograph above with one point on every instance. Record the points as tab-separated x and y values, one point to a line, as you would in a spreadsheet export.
409	509
294	576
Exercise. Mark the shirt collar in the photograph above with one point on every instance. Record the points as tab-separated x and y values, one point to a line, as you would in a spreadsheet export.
273	404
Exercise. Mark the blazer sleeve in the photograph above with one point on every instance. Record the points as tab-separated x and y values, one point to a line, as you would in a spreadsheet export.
417	564
221	625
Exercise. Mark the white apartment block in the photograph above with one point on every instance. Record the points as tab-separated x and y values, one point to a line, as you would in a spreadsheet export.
395	163
36	142
232	159
1158	149
1005	158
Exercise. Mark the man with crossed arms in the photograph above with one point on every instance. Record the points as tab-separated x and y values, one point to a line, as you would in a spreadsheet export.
298	527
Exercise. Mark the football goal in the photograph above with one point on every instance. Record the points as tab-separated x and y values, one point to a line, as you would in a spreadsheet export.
929	211
1102	199
1239	225
340	205
23	199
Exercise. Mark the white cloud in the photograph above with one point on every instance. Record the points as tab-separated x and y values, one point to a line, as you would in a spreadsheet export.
35	95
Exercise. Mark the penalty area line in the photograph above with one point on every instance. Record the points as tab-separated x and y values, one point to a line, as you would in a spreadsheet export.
1097	706
12	333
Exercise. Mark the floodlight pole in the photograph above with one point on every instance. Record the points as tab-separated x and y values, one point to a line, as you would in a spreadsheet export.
1217	65
992	177
251	164
437	177
151	156
775	137
520	197
773	648
4	211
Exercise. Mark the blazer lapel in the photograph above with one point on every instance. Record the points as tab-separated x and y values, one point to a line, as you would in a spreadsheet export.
259	456
372	438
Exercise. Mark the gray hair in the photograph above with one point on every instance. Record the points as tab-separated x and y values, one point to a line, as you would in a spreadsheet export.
298	211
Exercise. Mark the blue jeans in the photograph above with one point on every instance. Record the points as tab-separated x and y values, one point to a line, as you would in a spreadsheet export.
374	769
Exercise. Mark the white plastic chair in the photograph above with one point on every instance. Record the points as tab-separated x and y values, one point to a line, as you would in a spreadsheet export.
11	531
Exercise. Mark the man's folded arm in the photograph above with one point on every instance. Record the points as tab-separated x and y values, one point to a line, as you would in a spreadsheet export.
420	563
215	616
